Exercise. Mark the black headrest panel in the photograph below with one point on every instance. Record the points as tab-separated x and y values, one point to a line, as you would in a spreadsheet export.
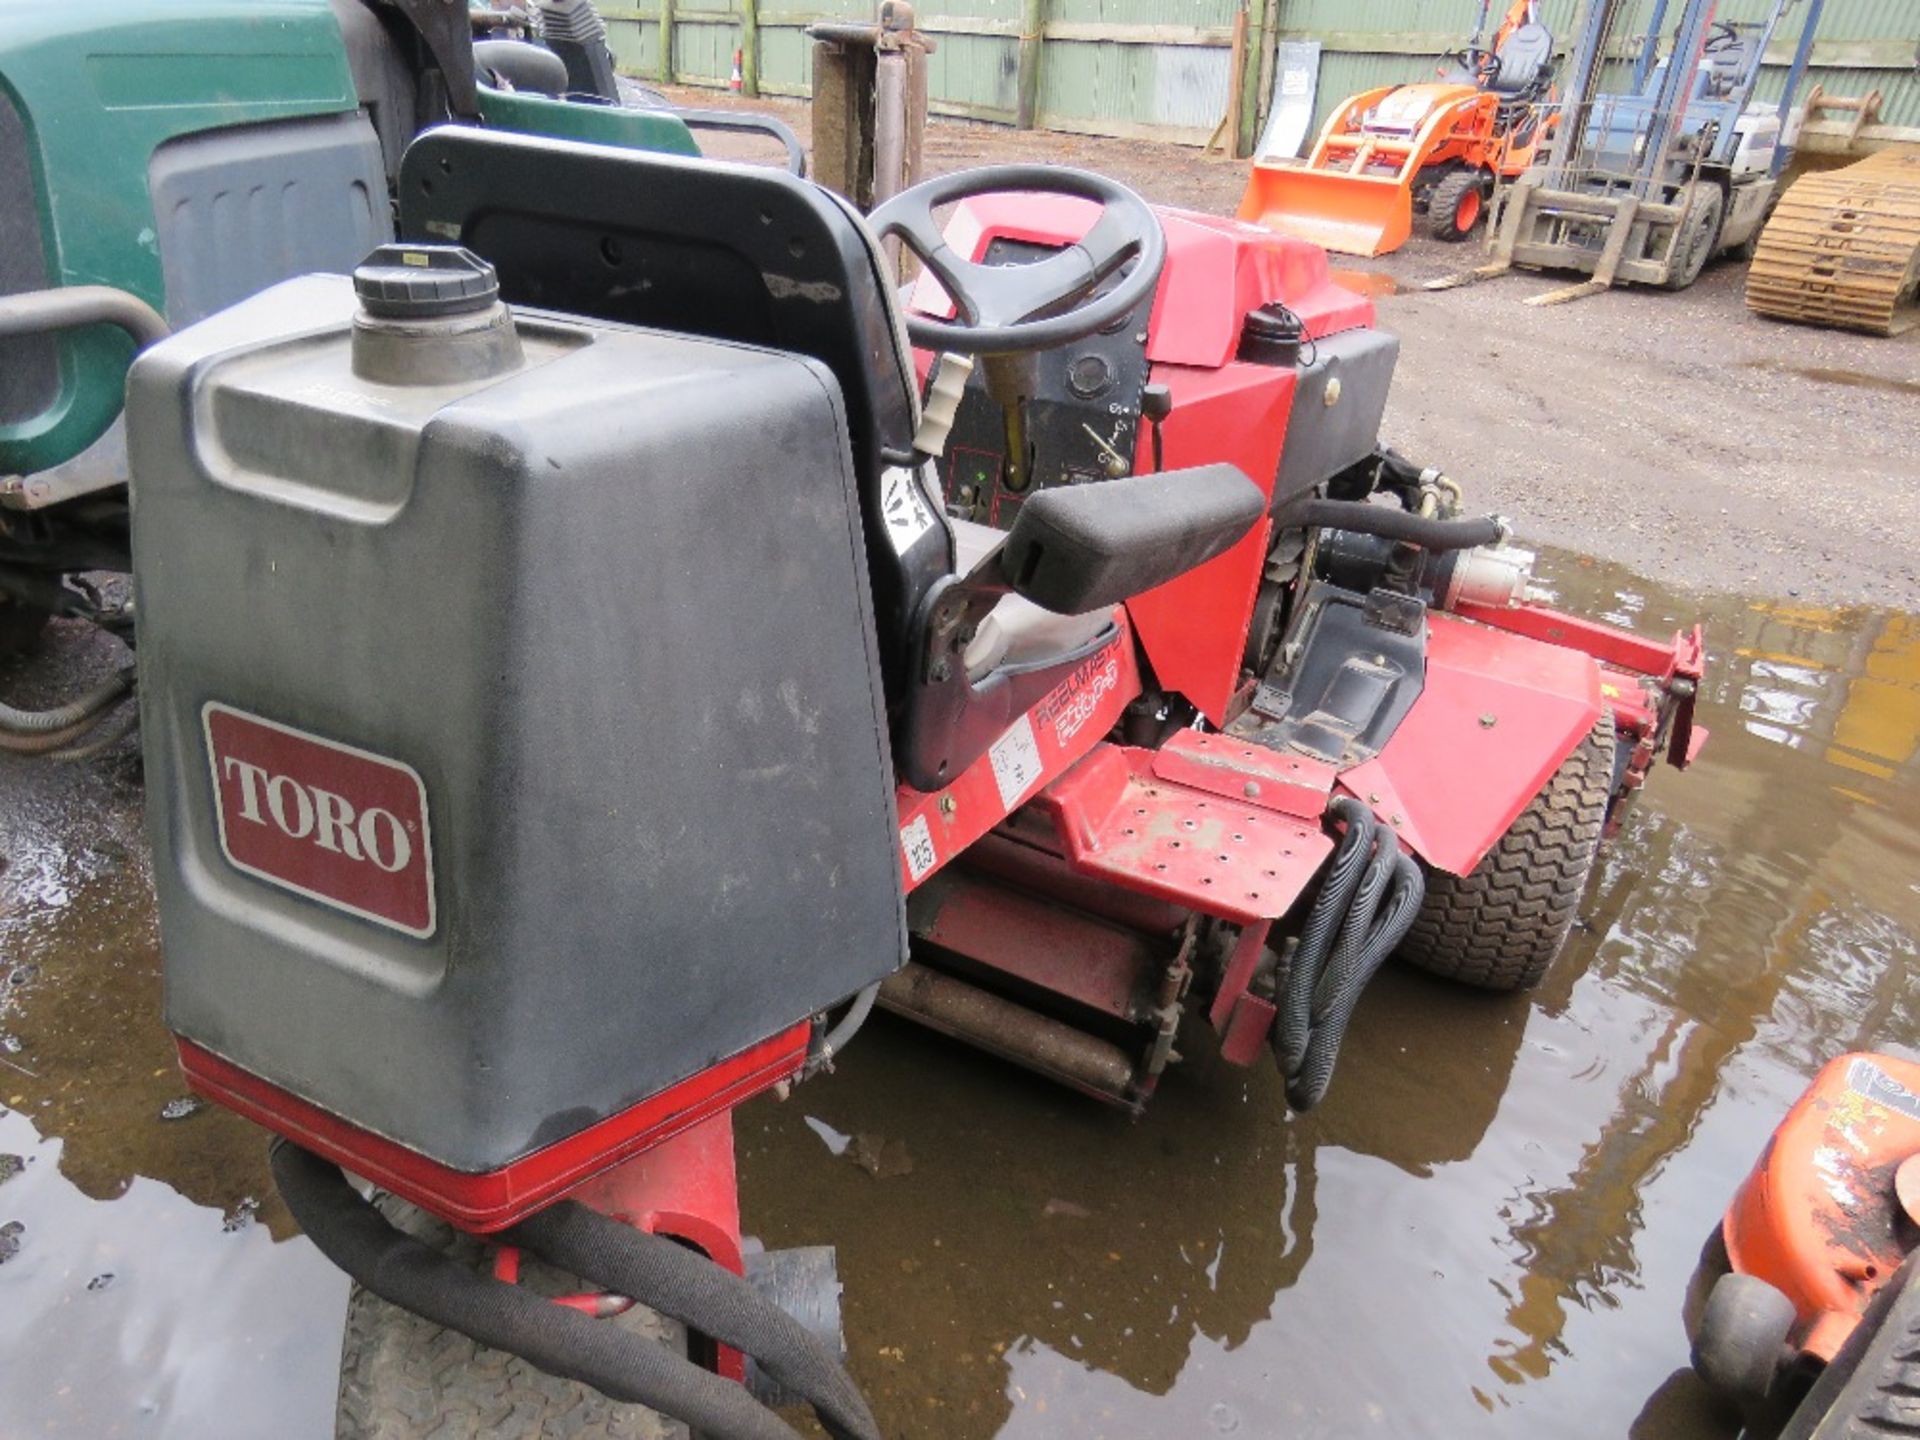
1527	52
732	252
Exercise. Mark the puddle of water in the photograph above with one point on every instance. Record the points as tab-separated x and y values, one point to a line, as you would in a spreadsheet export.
1485	1231
1852	379
1488	1228
1374	284
149	1315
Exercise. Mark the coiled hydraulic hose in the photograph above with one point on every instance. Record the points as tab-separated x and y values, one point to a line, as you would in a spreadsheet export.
41	732
1323	922
1392	524
1364	909
1394	917
626	1367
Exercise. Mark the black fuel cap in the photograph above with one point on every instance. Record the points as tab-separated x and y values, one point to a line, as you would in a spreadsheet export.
422	282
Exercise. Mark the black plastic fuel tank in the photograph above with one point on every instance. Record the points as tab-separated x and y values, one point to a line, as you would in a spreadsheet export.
513	723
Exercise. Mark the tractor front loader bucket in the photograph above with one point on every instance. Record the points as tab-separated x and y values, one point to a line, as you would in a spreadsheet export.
1352	214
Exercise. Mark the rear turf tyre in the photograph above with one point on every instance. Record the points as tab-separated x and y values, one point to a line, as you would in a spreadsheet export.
402	1377
1459	201
1500	927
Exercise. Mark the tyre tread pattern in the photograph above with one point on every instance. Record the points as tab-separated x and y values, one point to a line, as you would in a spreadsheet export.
1501	926
1445	204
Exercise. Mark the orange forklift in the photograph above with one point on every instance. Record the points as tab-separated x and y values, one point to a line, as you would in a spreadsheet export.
1437	147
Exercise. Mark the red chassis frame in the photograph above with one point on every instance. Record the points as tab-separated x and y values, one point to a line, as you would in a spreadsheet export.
1064	848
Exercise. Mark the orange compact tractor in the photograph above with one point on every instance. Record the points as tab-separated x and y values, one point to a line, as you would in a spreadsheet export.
1436	146
1811	1320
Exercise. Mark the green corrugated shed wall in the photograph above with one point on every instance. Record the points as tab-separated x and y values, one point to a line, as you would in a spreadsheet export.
1161	67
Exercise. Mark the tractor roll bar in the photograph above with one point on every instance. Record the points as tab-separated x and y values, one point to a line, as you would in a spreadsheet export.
39	312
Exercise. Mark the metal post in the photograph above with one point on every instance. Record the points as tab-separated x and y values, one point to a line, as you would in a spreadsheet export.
1796	72
1728	139
1033	17
1251	48
889	126
1670	105
750	48
666	42
1597	19
1650	49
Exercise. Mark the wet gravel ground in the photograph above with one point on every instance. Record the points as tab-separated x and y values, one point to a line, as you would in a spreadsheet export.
1676	433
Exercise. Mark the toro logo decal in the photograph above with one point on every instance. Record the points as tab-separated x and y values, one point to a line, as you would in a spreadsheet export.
322	819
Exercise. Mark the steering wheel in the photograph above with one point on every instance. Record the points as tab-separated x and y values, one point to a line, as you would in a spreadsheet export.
1724	37
1003	309
1482	64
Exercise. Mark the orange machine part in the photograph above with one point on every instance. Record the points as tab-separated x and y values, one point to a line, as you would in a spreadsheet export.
1819	1216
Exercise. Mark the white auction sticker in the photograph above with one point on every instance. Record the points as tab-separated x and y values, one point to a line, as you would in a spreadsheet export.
916	843
1016	762
907	513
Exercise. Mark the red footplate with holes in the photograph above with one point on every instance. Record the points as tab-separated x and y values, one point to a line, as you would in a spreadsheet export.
1233	856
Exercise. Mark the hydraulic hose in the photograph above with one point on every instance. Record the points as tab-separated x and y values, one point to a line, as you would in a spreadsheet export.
1396	914
1330	906
1343	967
104	738
81	711
1391	524
835	1040
408	1273
714	1301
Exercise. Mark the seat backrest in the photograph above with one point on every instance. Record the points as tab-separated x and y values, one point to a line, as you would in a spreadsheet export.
731	252
1727	66
1524	57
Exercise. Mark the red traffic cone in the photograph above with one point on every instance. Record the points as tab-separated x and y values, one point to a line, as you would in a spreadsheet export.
736	80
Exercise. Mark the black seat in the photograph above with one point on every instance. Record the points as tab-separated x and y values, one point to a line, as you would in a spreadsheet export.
731	252
1524	60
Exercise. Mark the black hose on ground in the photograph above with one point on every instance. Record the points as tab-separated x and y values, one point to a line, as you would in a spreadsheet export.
1294	1025
408	1273
21	724
1394	917
712	1300
102	739
1391	524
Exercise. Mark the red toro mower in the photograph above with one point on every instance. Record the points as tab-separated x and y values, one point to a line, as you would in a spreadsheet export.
1805	1312
621	641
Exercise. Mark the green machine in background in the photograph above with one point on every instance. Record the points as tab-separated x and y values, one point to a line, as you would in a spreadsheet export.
162	159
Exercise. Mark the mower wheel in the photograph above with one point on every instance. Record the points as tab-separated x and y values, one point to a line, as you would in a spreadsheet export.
402	1376
1743	1338
1501	926
1459	200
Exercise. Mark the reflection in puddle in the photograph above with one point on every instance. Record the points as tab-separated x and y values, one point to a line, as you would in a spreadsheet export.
1485	1231
149	1315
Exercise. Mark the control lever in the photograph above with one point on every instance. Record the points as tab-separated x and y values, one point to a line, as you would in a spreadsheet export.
1156	404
